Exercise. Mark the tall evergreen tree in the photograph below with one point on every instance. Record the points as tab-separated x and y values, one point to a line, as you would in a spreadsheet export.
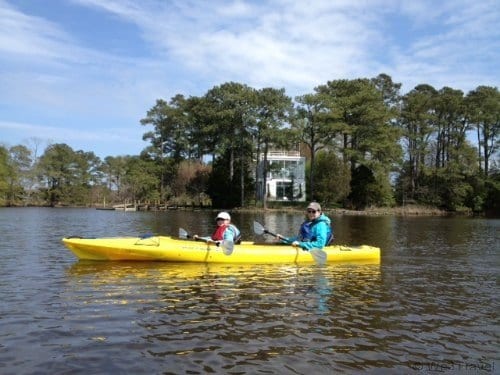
272	113
417	121
369	138
315	127
231	104
484	111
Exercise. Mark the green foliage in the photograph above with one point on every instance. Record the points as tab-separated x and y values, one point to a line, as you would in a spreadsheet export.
363	186
272	112
315	127
332	179
221	188
230	111
172	129
444	189
483	105
492	198
455	195
56	167
225	191
24	176
368	190
4	175
363	119
230	108
352	132
140	180
68	175
441	166
477	193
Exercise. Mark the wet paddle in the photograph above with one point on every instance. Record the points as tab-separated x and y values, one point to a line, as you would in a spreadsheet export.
227	246
319	256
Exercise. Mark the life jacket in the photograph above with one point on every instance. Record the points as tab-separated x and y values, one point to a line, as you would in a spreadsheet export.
306	232
218	235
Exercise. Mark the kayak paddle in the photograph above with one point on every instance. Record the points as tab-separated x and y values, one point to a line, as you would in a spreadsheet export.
318	255
258	228
226	245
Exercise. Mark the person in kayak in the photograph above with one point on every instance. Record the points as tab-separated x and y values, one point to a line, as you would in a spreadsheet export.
315	232
224	230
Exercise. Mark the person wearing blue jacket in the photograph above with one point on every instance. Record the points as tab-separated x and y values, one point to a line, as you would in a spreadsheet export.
315	232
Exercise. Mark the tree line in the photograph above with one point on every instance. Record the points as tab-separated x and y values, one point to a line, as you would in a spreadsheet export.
365	144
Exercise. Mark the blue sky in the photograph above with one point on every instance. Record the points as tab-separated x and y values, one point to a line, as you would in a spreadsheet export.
84	72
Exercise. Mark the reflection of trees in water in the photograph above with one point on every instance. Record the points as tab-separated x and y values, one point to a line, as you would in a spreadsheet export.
240	285
232	304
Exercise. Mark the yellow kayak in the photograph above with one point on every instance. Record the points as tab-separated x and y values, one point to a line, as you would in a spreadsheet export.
170	249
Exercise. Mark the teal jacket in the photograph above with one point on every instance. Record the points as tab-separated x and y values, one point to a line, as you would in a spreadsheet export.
314	234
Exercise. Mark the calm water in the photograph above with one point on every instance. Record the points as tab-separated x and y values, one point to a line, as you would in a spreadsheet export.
431	305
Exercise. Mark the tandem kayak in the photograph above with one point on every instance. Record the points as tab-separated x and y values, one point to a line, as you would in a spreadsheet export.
170	249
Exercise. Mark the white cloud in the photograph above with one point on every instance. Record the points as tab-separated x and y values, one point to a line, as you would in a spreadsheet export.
193	45
68	133
302	44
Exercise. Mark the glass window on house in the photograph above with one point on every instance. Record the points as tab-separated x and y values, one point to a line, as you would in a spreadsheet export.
284	190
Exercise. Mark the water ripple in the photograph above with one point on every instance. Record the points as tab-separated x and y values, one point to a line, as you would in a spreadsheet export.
424	308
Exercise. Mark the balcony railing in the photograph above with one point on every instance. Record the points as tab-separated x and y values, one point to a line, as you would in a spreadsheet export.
271	154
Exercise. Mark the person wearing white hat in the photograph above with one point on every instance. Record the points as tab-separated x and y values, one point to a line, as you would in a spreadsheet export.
315	232
224	230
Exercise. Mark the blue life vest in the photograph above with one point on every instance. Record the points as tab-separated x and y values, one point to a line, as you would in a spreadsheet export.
306	233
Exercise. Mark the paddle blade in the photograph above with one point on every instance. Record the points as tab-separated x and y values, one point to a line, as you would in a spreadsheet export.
320	256
183	234
258	228
227	247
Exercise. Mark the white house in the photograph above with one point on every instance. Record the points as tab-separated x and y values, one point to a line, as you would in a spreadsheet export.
285	179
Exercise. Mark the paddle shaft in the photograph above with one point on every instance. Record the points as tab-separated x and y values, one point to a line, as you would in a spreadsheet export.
271	233
226	245
184	234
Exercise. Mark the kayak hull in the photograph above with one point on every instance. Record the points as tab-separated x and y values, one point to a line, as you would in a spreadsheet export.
169	249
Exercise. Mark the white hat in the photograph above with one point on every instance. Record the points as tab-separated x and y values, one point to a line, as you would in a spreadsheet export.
315	206
223	215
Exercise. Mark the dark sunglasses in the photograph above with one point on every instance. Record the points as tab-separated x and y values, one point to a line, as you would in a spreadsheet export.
311	211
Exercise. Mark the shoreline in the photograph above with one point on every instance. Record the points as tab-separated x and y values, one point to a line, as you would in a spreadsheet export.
409	210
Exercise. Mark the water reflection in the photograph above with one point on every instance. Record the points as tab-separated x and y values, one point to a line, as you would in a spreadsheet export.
222	318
